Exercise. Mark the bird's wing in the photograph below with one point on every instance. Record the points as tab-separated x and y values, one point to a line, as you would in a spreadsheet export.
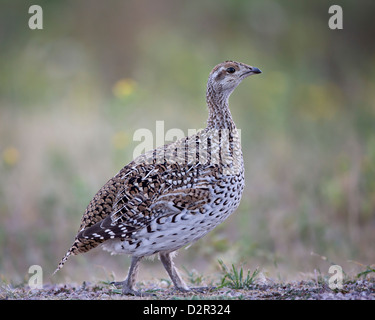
160	182
171	203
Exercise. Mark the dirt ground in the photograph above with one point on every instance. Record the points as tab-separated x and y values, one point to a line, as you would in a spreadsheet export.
302	290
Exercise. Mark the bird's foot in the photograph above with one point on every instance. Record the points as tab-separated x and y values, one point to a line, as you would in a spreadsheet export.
127	290
182	289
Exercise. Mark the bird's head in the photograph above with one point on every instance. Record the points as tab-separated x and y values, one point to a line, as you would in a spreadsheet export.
226	76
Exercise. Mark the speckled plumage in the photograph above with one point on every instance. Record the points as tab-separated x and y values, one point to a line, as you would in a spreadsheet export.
173	195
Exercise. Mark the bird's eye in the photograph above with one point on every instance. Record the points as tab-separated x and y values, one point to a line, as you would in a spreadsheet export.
231	70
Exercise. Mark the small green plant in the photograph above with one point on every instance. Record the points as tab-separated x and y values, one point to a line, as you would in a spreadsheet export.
193	276
368	270
235	278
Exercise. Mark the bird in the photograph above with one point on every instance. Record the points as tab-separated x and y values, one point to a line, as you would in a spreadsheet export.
170	197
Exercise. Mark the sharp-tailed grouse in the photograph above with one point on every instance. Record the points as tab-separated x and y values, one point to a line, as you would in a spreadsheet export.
175	194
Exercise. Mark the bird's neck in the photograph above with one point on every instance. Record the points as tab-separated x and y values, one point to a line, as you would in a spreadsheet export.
219	116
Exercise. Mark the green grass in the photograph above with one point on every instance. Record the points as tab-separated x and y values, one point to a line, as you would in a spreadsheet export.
193	276
234	278
366	272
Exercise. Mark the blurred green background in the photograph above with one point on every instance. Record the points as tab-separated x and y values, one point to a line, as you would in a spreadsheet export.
73	94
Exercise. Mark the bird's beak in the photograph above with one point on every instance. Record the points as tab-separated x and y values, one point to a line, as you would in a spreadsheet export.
252	70
256	70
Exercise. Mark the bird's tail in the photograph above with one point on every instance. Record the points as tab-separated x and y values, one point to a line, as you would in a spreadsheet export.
79	246
63	260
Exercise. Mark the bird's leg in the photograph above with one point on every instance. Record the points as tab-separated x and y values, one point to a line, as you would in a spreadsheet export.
166	259
129	283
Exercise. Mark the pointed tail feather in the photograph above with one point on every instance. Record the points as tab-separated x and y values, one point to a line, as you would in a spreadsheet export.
63	260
